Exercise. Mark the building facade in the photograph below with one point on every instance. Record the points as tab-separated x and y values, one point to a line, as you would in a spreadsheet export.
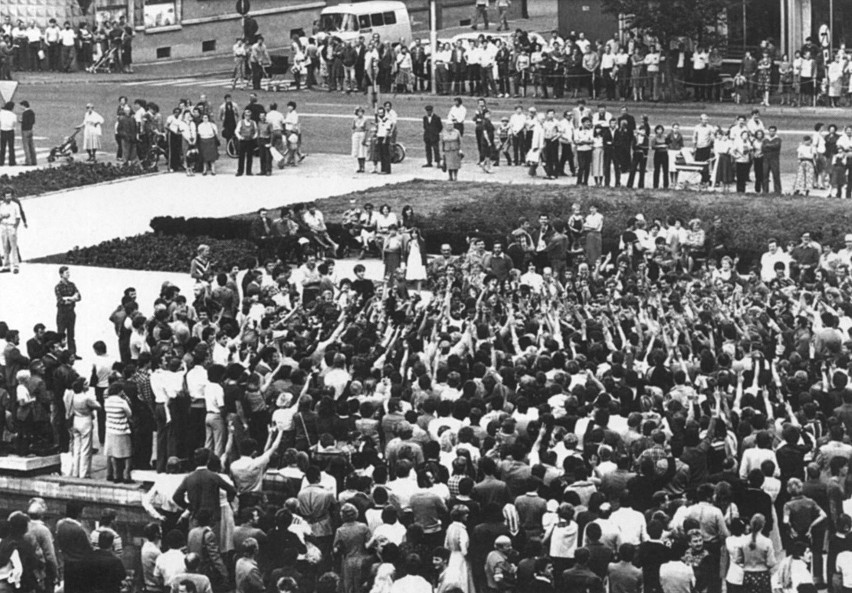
749	22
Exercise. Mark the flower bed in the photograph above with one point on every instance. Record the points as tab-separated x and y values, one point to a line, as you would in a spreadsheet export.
76	174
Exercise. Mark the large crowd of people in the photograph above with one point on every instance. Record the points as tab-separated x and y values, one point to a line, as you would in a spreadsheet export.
532	414
27	46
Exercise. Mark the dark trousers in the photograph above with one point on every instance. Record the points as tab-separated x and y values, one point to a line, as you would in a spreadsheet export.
99	395
518	147
175	152
742	176
54	51
265	156
609	163
162	438
35	62
637	166
772	166
567	157
551	157
758	175
703	155
384	154
661	165
142	443
432	152
245	156
7	142
256	75
197	428
584	165
66	320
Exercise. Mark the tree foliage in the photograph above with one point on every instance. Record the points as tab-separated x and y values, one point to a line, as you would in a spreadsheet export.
669	19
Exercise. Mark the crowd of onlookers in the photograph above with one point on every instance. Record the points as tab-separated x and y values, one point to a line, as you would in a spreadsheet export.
26	46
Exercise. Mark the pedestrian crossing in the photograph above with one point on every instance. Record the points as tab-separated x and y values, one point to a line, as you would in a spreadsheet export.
182	82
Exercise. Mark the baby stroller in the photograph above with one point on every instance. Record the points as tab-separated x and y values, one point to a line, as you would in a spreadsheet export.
66	150
106	63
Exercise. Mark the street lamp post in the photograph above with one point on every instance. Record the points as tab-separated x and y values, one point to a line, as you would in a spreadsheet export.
433	42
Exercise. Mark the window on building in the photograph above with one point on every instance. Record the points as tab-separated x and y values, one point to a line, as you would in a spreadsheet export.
161	13
750	22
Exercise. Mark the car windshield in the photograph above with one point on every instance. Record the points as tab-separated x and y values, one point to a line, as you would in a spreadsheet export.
337	22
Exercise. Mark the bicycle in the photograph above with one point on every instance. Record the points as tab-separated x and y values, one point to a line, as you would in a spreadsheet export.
397	153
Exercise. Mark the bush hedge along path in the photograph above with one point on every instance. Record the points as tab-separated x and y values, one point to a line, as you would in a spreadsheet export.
736	223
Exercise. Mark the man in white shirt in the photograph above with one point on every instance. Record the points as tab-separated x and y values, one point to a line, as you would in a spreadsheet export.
768	260
276	119
630	521
10	219
68	41
8	121
51	39
34	44
456	115
601	117
566	140
652	66
532	279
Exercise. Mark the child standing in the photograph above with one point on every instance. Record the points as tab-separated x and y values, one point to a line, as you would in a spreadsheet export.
806	153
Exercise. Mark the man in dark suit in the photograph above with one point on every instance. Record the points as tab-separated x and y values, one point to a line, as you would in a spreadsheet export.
432	128
200	490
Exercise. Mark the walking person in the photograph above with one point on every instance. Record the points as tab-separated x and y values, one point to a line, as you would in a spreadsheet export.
8	122
246	135
27	123
10	219
67	297
92	131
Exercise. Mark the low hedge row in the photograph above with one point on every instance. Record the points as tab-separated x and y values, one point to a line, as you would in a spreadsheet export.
741	224
76	174
154	252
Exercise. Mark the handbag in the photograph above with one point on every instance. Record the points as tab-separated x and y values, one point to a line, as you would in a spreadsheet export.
444	165
533	156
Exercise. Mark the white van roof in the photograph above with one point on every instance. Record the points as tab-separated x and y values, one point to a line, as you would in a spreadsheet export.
365	7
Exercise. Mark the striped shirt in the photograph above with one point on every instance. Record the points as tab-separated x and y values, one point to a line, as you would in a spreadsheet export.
118	414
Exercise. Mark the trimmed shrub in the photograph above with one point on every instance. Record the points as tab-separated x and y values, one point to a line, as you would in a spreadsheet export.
76	174
160	253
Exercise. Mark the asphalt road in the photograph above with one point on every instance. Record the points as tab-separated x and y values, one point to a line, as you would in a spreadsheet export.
327	116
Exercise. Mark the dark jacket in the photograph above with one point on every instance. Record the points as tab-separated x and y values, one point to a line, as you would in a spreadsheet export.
432	128
200	490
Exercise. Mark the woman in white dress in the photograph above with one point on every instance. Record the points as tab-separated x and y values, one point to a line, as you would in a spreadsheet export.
415	263
457	541
92	131
359	134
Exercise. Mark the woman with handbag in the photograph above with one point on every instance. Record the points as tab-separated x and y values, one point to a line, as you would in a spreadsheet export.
208	144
